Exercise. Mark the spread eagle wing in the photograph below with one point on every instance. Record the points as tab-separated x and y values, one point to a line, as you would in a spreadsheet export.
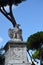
10	33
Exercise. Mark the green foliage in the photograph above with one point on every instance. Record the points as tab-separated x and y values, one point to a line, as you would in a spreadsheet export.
35	40
36	54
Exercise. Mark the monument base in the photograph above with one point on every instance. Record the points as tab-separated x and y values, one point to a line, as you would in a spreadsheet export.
16	53
20	64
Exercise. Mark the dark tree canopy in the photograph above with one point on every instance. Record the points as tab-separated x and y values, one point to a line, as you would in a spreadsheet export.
9	2
35	40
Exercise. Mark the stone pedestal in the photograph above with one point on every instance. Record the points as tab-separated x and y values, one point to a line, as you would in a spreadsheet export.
15	49
16	53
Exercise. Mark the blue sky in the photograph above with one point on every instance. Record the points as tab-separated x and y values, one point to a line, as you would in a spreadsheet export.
28	14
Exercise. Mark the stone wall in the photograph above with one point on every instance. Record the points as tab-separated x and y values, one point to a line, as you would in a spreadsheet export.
19	64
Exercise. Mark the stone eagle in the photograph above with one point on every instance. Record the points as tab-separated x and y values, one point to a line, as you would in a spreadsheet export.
15	33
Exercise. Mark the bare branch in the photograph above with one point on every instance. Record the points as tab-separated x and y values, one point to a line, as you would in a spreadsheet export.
5	11
12	17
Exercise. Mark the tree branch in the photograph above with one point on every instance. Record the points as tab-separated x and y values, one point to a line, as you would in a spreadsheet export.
5	11
31	56
8	15
5	15
12	17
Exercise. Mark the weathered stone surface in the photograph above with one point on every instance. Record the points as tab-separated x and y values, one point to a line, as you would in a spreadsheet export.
16	53
15	33
19	64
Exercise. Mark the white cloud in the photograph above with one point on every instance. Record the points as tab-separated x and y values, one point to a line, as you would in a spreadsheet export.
1	39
